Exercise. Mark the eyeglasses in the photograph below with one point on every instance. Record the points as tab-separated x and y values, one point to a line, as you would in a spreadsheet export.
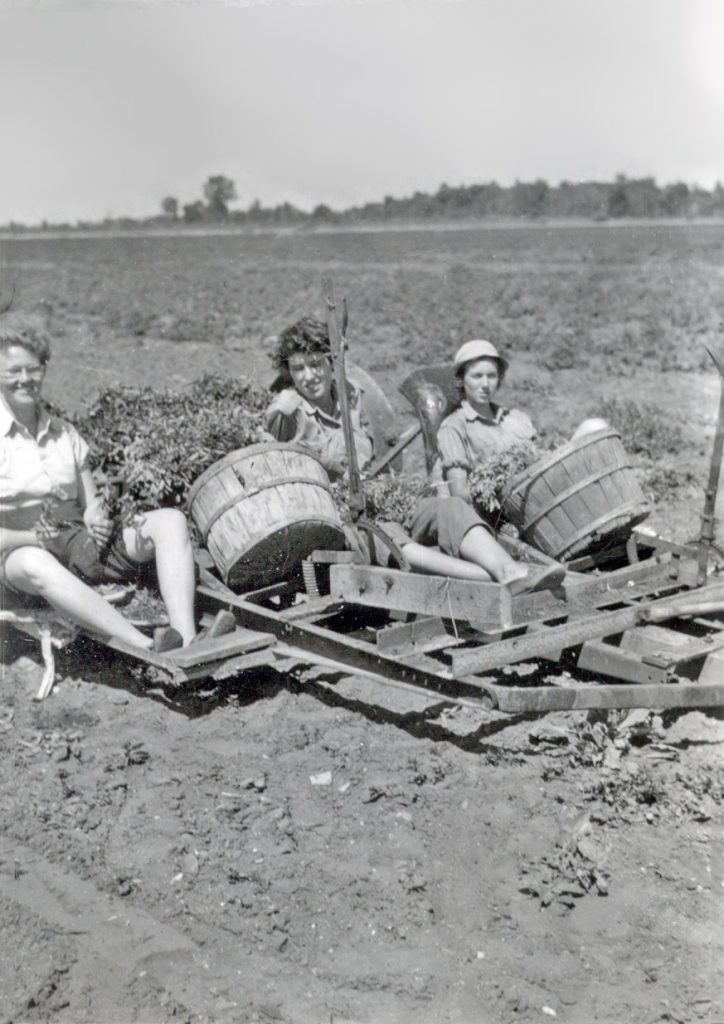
14	376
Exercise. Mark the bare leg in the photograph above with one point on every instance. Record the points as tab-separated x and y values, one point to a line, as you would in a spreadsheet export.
163	534
36	571
481	547
431	560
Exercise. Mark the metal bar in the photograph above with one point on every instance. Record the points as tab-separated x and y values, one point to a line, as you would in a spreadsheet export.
387	457
708	522
337	344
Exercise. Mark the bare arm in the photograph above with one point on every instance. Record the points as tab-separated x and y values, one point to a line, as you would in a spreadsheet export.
94	514
457	479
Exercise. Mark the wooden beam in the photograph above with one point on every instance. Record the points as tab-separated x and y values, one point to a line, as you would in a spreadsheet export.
392	589
542	642
590	696
357	655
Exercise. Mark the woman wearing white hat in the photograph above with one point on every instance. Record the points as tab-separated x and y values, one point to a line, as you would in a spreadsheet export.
480	428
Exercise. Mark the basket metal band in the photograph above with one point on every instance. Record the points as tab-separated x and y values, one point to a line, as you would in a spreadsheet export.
591	529
592	478
231	502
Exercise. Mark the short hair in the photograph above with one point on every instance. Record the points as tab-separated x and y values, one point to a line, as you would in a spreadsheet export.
305	336
26	332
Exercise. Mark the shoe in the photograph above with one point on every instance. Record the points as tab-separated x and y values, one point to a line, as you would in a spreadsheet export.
224	623
545	578
166	638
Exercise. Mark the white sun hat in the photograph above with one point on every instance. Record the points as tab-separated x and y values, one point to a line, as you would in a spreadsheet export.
479	349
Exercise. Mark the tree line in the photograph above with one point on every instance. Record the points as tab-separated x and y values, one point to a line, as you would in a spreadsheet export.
624	197
595	200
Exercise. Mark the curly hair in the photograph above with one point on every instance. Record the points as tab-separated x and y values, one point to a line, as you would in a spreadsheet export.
26	332
306	335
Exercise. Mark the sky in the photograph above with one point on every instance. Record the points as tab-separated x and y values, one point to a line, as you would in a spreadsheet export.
107	106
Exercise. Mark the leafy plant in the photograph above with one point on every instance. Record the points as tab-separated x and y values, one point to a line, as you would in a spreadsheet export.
489	477
159	442
644	429
387	498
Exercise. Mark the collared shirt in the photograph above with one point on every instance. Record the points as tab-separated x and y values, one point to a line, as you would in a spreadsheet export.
32	469
291	418
466	437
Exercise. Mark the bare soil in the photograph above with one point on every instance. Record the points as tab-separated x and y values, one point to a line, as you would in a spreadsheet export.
311	849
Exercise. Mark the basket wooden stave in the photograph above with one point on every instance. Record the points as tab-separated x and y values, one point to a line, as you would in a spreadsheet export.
583	495
261	510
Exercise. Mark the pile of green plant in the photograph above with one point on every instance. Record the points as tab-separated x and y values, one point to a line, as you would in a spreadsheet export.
490	476
644	428
387	498
159	442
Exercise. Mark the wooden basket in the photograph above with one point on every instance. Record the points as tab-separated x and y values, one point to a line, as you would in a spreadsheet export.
581	496
263	509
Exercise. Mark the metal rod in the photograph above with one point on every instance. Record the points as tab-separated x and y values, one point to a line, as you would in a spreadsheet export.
338	344
708	522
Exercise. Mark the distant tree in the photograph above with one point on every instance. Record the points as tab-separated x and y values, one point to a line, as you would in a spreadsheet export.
324	213
675	200
618	200
169	205
194	212
218	193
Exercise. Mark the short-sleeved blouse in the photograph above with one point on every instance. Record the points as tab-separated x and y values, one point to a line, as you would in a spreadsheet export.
290	417
32	469
466	437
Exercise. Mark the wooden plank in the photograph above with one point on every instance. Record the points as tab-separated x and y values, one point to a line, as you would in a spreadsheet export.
590	696
218	648
553	638
315	607
670	645
161	661
611	660
418	636
356	655
447	598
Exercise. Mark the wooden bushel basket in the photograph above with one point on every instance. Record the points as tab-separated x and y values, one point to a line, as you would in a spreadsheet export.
581	496
261	510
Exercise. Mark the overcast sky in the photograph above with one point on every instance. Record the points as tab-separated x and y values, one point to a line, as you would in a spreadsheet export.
106	107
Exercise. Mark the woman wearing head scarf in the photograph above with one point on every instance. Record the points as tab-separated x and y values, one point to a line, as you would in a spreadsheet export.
55	535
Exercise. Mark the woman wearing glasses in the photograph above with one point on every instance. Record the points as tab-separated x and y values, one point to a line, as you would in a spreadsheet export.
446	535
55	535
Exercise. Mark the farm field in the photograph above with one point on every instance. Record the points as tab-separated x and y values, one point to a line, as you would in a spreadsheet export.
304	848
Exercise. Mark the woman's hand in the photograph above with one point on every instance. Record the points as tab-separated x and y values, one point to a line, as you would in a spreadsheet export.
98	524
46	529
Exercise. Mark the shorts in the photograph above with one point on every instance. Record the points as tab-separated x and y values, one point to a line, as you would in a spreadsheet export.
437	522
75	548
444	522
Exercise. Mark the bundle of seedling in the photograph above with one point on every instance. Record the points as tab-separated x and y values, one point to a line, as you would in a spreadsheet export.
387	498
490	477
157	442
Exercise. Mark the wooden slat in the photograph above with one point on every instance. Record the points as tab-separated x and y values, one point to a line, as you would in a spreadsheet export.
392	589
552	639
589	696
218	648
